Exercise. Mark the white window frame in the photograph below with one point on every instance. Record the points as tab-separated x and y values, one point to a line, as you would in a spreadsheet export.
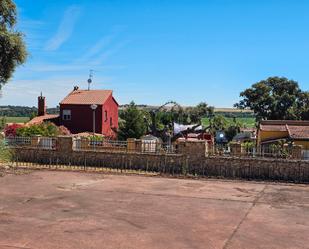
66	115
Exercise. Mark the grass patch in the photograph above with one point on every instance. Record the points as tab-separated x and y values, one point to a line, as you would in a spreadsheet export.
5	153
16	119
247	122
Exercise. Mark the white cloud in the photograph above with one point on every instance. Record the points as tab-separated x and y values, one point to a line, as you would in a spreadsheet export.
54	88
105	41
68	68
65	28
101	44
106	54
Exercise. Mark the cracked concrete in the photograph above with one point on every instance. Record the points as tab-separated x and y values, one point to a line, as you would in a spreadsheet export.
50	209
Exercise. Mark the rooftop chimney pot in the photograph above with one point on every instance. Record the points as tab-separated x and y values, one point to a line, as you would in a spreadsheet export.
41	105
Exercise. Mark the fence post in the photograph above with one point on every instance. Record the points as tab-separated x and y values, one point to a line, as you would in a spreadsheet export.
85	162
297	152
35	141
235	149
65	144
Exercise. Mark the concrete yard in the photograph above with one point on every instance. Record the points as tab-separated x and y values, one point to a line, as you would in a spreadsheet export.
49	210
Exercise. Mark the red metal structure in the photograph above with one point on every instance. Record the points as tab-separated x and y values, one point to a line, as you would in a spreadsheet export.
76	113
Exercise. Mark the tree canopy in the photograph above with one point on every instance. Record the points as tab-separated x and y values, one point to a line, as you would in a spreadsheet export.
276	98
12	47
132	124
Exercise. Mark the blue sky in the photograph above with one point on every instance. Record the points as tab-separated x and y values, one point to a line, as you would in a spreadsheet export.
155	51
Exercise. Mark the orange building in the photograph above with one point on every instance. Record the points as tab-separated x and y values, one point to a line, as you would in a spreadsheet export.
295	131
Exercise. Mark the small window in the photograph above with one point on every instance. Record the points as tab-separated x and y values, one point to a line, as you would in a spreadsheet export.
66	114
106	116
111	121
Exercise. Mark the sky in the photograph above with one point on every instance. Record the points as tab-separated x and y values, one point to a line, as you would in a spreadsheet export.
154	51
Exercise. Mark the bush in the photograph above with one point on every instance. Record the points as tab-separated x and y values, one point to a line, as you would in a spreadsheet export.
47	129
5	153
62	130
11	130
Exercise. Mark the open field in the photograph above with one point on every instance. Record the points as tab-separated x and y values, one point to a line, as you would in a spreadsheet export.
50	209
16	119
247	122
232	110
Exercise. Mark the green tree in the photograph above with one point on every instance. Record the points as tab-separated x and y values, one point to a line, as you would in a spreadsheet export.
201	110
12	47
218	123
303	106
32	115
275	98
233	129
2	123
133	124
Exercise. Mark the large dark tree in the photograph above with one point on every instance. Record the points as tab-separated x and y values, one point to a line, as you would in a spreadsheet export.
303	105
12	47
275	98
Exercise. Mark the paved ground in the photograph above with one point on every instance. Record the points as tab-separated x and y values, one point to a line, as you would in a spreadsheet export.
80	210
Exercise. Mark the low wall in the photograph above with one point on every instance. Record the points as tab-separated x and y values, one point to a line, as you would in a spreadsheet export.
170	164
251	168
178	164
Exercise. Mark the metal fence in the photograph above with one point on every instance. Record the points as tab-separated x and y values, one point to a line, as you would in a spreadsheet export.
98	144
178	165
94	144
48	143
258	152
18	141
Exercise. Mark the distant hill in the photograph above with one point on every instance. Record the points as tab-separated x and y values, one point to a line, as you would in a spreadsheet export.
232	110
25	111
22	111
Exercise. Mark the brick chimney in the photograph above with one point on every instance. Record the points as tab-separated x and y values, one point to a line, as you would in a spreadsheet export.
41	105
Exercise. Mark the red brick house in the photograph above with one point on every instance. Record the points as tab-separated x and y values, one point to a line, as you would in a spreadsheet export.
77	115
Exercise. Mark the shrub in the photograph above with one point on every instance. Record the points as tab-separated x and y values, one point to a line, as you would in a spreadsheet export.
47	129
62	130
5	153
11	130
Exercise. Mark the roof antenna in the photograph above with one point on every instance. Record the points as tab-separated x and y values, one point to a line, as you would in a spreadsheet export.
90	78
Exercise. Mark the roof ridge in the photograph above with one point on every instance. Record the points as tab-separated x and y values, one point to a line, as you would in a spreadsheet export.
288	129
285	122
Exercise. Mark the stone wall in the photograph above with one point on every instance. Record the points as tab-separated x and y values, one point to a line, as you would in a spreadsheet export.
191	161
170	164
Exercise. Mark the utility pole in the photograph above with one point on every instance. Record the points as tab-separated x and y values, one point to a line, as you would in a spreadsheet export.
93	107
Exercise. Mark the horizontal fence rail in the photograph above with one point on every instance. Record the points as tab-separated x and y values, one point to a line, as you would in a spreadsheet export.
157	147
140	146
18	141
259	152
178	165
48	143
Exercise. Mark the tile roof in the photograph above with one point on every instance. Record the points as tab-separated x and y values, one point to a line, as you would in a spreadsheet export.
87	97
298	132
273	127
284	122
41	119
296	129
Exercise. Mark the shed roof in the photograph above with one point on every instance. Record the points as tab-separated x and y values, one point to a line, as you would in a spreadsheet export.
296	129
41	119
298	132
87	97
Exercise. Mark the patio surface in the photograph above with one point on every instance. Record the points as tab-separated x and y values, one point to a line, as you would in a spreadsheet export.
50	209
